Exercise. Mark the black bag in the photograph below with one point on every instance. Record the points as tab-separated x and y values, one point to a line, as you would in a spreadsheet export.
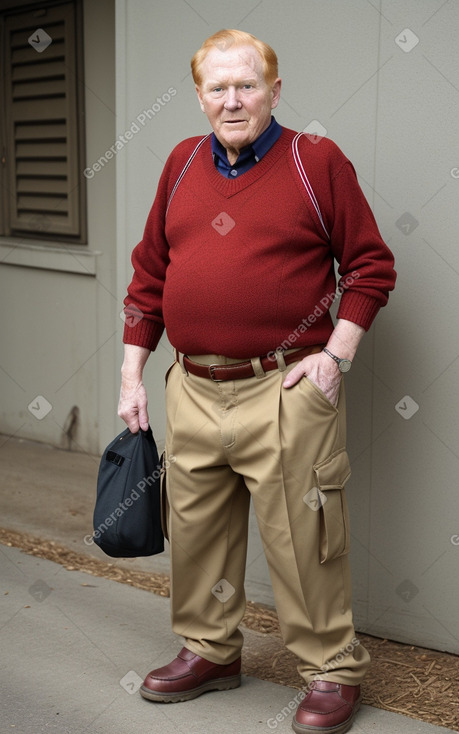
127	514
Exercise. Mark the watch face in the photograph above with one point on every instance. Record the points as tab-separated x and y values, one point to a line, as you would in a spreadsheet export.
344	365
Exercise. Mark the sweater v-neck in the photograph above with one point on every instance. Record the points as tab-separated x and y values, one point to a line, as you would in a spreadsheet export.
229	187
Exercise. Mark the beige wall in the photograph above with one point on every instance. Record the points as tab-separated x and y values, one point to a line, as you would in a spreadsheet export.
59	305
392	107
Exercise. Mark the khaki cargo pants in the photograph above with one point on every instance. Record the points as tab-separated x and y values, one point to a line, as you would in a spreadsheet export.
231	441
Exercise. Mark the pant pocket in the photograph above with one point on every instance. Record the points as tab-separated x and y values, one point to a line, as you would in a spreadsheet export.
168	371
331	477
163	496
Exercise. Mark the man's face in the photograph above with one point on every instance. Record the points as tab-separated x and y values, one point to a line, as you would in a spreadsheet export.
235	96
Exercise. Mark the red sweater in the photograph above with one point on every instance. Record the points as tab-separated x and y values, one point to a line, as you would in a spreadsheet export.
242	266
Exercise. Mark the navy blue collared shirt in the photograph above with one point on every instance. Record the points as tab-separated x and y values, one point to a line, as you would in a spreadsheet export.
249	156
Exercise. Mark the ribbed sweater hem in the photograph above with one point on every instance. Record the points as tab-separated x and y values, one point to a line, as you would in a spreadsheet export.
359	308
145	333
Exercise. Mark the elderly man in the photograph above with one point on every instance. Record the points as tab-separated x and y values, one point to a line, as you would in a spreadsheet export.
237	263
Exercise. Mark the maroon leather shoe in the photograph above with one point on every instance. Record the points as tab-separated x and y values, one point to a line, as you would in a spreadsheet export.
188	676
329	708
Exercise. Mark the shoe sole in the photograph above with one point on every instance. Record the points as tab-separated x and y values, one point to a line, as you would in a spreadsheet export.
219	684
338	729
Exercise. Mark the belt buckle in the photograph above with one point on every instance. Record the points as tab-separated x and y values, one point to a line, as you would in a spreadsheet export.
211	373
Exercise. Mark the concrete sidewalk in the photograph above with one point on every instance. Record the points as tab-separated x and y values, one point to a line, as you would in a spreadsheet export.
75	649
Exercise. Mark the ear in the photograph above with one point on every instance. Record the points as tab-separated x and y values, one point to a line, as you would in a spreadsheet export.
275	92
201	103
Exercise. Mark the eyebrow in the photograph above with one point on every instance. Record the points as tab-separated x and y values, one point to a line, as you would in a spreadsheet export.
215	83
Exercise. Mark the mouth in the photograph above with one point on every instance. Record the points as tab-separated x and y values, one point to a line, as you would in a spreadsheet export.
233	122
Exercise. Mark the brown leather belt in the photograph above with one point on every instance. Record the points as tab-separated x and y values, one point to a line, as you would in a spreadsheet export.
243	370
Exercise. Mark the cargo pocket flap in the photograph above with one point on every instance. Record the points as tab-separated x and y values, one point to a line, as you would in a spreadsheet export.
332	475
334	472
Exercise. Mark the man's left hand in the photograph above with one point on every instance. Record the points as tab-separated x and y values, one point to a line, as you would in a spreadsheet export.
321	370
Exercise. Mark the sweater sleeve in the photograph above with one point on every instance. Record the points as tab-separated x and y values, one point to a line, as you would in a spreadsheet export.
366	264
144	322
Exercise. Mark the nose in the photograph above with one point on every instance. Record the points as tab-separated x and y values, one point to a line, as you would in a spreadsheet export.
232	101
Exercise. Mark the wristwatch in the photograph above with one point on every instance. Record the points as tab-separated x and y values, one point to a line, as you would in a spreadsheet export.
344	365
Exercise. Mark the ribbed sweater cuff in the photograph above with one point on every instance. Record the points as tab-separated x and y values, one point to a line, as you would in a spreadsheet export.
145	333
359	308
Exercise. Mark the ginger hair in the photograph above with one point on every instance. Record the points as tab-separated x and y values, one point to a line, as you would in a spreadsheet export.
226	38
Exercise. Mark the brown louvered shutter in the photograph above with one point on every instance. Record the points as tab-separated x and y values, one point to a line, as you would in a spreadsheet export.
42	136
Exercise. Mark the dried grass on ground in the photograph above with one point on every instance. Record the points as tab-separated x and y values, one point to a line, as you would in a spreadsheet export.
420	683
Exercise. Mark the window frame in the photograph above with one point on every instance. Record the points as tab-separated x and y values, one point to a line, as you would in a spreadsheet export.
43	228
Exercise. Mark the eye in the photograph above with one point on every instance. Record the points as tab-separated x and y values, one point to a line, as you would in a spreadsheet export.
248	86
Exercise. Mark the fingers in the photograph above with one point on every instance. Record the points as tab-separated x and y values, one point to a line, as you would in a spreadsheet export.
135	419
133	424
143	420
294	376
305	367
130	417
132	408
324	374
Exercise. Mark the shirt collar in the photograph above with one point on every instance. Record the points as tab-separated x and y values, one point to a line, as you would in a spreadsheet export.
257	149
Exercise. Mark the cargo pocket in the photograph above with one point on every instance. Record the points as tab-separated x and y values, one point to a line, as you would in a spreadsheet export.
331	476
163	497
